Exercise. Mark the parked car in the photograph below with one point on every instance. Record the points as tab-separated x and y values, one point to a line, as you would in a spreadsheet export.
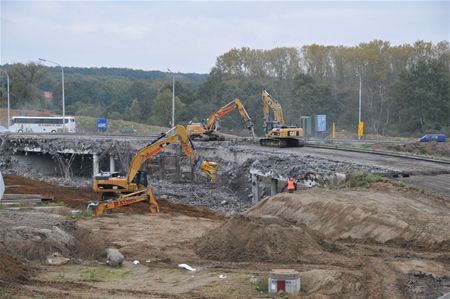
433	137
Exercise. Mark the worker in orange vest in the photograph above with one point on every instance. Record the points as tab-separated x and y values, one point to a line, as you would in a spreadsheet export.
291	185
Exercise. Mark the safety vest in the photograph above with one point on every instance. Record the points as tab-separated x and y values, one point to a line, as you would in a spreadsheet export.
291	185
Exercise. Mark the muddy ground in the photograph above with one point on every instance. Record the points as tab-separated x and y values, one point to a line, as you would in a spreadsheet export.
378	242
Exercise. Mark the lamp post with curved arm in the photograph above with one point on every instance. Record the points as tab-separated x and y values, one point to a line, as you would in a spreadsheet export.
173	98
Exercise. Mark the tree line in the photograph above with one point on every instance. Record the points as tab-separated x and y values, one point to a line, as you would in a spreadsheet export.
405	88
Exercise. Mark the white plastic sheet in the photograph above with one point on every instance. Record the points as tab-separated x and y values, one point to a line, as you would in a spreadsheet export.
187	267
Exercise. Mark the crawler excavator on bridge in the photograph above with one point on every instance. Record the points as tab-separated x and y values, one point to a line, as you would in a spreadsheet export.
207	131
118	191
277	133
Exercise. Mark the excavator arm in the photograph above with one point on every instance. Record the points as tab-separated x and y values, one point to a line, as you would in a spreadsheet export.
269	104
176	134
235	104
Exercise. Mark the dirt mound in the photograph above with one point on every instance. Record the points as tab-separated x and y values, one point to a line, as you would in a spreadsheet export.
36	234
299	227
11	269
260	239
413	221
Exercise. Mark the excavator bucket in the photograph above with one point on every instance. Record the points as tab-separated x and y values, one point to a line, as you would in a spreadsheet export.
209	168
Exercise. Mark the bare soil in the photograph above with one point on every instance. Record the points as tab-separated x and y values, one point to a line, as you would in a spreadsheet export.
378	242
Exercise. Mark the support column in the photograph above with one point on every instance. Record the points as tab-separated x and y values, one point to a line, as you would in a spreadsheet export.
161	167
273	186
112	164
95	164
177	165
255	188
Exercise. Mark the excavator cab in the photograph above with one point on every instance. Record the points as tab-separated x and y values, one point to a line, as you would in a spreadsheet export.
140	178
270	125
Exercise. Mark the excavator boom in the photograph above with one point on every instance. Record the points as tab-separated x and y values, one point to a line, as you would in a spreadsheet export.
196	130
271	104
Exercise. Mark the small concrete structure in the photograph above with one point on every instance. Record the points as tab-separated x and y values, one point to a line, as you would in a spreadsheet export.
273	186
284	280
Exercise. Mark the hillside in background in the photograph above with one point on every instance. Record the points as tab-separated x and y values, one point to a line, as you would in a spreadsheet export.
405	88
127	73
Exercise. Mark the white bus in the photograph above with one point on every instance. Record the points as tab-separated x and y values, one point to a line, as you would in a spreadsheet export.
42	124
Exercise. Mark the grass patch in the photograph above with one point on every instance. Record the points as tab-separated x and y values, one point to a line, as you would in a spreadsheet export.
4	294
50	204
360	179
87	124
261	285
83	213
404	186
91	274
102	274
366	146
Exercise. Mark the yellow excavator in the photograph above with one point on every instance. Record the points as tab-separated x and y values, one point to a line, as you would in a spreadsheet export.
207	131
277	133
120	191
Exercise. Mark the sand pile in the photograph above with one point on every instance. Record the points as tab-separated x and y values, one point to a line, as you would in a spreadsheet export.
259	239
411	220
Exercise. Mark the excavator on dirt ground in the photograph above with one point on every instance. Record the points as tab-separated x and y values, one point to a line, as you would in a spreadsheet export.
277	133
118	191
207	130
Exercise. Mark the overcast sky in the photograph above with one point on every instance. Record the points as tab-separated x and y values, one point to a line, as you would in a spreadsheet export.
188	36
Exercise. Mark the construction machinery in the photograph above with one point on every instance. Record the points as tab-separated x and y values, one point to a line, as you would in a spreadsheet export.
119	191
207	130
277	133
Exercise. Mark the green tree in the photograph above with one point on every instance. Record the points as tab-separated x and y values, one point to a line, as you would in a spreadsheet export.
24	81
422	97
162	108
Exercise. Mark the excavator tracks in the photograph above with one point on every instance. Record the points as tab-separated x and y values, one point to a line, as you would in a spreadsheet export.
278	142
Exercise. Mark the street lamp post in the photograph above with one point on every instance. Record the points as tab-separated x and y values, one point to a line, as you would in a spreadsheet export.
7	88
173	97
359	111
63	95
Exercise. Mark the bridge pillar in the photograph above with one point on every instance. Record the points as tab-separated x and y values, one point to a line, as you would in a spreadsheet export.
112	164
161	167
177	165
255	188
273	186
95	164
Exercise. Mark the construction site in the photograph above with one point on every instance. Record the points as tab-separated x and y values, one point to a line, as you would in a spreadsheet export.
224	149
